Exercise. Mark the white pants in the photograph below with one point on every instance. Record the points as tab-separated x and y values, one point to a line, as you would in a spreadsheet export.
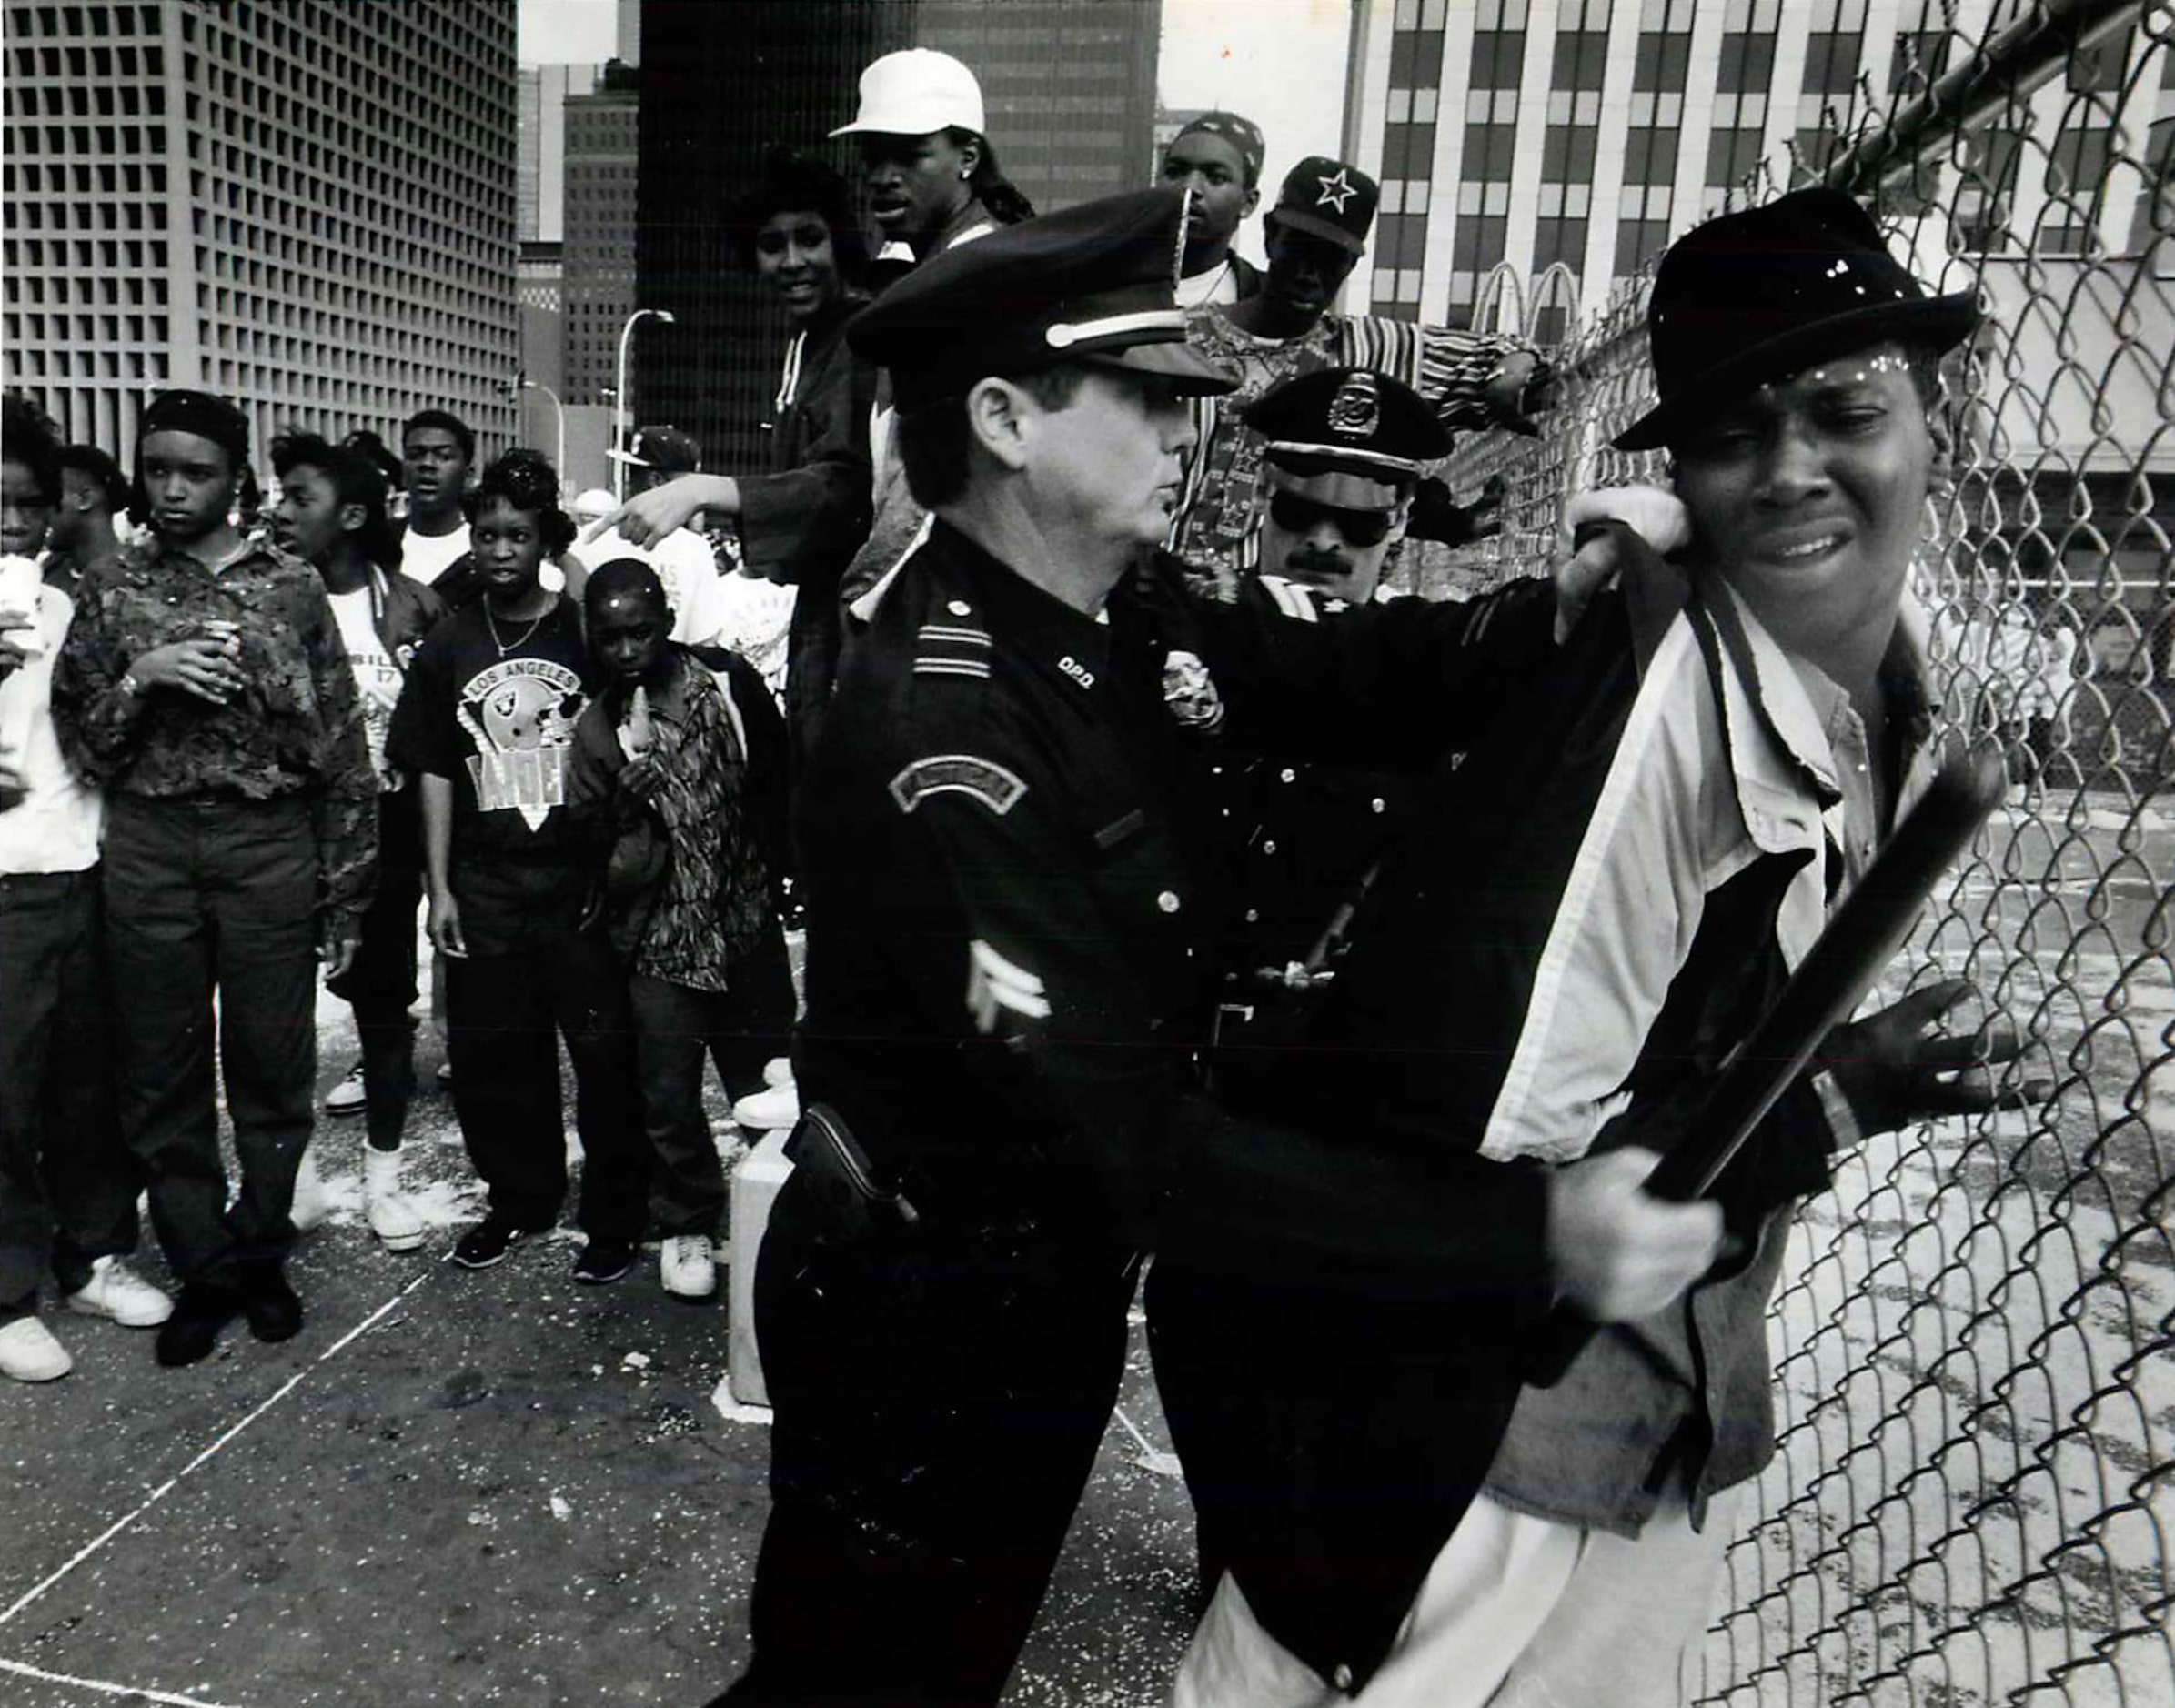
1515	1613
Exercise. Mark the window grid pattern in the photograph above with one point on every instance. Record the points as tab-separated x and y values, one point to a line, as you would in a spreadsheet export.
325	189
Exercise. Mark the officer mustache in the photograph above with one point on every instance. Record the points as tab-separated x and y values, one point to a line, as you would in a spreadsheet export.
1312	560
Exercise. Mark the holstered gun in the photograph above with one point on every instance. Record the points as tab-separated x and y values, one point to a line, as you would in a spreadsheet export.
862	1200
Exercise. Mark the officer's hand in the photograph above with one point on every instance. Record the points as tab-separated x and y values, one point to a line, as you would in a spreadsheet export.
337	940
1584	567
443	924
1617	1254
1894	1067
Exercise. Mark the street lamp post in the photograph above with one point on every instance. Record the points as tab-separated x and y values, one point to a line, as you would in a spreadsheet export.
619	424
558	416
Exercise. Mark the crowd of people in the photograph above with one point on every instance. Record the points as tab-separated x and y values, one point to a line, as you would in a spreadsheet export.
1168	886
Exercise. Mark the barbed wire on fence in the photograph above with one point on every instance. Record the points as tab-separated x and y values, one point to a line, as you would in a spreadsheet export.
1975	1396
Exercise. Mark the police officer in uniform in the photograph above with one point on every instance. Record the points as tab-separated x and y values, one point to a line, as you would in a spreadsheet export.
995	1055
1346	451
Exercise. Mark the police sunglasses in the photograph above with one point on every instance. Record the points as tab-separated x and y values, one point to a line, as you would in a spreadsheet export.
1359	528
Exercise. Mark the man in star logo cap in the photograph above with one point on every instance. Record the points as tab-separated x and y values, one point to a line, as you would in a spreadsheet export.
1317	234
995	1060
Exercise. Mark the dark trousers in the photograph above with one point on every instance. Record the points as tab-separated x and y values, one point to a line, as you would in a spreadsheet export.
937	1409
379	984
739	1029
205	895
505	1014
67	1184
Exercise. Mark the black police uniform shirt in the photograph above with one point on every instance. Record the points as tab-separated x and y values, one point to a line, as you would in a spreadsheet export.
1003	991
493	710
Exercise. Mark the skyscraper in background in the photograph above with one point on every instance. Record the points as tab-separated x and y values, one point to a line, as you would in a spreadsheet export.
603	132
1573	139
1069	86
307	209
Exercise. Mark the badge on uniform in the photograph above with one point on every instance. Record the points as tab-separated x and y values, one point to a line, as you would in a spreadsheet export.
987	781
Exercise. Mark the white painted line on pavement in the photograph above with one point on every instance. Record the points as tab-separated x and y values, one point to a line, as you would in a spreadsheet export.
167	1487
141	1691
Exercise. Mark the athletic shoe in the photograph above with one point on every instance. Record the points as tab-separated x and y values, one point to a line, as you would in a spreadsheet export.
686	1267
602	1261
779	1071
310	1206
274	1312
346	1098
28	1353
487	1243
779	1106
117	1294
203	1309
391	1214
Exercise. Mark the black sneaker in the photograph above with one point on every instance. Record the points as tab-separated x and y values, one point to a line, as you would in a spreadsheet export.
274	1312
487	1243
603	1261
203	1309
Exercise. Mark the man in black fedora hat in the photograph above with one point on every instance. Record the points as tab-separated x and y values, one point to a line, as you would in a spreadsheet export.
1001	1004
1577	930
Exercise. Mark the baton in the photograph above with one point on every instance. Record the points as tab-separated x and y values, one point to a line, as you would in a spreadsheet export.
1858	943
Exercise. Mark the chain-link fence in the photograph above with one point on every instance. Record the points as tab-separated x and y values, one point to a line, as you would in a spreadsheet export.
1977	1396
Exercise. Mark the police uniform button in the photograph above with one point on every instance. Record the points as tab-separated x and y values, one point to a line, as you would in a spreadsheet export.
1289	775
959	608
1168	901
1341	1677
1252	916
1377	803
1269	847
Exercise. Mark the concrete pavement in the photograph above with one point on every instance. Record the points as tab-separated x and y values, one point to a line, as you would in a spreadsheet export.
460	1488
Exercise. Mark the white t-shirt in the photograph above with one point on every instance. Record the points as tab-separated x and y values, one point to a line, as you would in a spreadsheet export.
427	557
53	828
684	563
1219	284
378	678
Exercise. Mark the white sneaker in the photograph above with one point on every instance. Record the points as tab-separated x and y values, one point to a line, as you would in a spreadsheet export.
346	1098
779	1071
779	1106
310	1206
28	1353
395	1221
686	1268
117	1293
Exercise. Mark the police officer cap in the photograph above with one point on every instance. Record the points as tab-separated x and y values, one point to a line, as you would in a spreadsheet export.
1091	284
1374	431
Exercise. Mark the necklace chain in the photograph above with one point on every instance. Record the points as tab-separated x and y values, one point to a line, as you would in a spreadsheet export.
520	640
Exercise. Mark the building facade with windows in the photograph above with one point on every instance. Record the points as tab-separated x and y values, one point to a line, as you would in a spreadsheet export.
306	207
1566	142
603	139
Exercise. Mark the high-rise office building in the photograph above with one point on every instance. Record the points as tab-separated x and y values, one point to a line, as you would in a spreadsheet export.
306	206
1069	89
603	132
1573	139
540	180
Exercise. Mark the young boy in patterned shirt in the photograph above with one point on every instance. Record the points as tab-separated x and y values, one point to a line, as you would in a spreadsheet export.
677	772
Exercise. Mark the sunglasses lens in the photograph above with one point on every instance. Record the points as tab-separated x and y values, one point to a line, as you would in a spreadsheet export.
1361	529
